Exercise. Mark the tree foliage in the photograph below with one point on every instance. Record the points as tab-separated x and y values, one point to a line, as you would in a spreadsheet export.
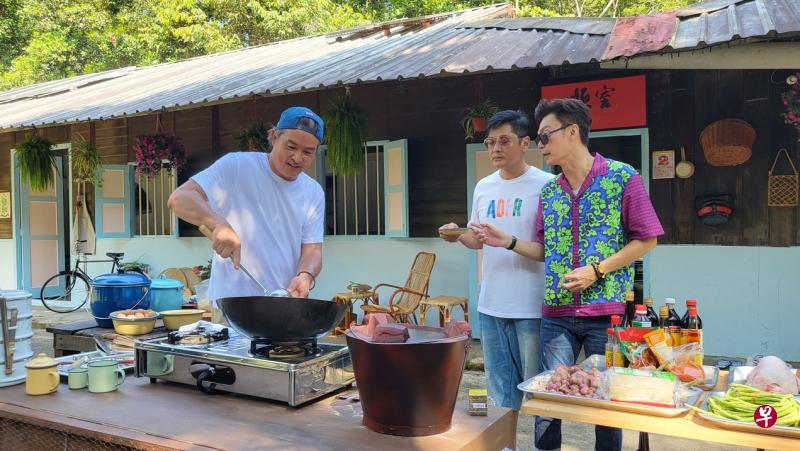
51	39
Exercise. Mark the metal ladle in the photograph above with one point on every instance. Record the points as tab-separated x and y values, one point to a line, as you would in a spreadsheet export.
208	233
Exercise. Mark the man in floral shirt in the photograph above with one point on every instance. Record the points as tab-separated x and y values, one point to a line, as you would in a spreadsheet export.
595	219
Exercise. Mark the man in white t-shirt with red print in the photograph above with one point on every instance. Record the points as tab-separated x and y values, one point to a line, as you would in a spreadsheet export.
512	288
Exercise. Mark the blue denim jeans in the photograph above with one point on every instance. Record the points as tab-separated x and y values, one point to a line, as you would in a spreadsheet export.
562	339
510	356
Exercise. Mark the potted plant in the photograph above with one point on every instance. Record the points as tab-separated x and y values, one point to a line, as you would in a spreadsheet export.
475	119
85	161
255	137
791	100
344	135
35	160
157	151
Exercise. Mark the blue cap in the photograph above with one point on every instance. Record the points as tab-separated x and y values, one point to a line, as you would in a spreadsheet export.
302	118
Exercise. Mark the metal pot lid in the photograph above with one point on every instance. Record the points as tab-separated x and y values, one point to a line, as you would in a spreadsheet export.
121	280
165	282
41	361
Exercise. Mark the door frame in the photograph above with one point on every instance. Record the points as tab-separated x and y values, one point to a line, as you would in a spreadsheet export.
473	282
19	212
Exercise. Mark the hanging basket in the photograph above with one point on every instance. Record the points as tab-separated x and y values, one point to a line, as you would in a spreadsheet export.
783	190
727	142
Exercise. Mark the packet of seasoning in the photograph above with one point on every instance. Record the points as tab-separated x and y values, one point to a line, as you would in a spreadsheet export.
657	342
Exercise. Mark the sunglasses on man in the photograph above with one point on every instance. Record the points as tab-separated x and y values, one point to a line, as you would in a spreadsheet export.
544	138
502	141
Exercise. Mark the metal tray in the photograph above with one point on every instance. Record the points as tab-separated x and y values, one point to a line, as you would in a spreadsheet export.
745	426
536	384
712	375
65	362
738	374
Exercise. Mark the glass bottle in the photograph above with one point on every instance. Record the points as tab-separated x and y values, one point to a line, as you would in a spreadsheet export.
674	322
651	312
685	319
641	319
630	309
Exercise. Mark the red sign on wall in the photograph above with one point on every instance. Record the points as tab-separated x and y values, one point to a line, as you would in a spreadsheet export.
615	102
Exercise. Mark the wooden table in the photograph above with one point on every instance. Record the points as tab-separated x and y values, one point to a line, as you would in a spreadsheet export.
171	416
72	338
347	298
690	426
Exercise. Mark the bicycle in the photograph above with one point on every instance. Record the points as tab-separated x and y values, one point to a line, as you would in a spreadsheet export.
74	287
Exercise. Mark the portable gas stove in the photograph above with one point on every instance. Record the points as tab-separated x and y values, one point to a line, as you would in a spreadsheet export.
294	373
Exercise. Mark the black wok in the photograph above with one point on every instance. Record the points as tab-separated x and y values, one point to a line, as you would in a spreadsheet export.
281	319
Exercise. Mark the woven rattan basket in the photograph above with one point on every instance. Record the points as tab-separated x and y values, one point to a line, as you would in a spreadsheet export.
727	142
783	190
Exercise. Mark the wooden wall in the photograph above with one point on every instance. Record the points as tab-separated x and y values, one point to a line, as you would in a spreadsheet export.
427	112
680	105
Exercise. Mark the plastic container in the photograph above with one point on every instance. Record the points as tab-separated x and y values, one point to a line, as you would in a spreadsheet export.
122	291
133	326
408	389
22	342
174	319
166	294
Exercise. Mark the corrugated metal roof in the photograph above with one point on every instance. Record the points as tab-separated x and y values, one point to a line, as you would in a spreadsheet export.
467	41
718	21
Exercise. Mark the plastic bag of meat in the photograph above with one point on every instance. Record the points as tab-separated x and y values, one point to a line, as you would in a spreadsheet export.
576	381
773	375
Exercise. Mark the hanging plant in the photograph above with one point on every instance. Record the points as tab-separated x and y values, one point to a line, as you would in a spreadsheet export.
344	135
85	161
476	117
35	160
157	151
791	99
255	138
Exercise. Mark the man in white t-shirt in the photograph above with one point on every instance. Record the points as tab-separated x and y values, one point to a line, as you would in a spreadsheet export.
512	288
263	211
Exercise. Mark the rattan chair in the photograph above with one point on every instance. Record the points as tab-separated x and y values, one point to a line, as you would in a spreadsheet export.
404	301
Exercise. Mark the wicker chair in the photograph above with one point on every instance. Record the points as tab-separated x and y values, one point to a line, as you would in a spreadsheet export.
403	301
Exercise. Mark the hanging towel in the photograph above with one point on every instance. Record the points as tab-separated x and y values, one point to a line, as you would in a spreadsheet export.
82	225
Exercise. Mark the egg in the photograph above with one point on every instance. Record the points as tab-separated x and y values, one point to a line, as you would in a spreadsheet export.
138	315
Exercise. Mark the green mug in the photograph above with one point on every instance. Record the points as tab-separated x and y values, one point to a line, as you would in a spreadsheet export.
159	364
78	378
105	376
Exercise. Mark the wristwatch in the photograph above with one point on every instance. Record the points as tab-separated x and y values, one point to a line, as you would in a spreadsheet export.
513	243
598	272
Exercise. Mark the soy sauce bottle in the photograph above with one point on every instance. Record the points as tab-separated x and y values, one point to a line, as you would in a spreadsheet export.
630	309
651	313
685	319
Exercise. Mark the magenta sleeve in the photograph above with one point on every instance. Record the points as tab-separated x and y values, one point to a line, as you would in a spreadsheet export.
638	215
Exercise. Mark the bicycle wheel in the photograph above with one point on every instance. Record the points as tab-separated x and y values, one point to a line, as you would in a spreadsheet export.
68	292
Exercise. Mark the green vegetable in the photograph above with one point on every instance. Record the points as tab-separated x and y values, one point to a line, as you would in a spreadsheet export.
741	401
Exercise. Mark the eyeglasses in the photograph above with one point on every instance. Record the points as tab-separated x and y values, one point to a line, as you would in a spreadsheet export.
502	140
544	138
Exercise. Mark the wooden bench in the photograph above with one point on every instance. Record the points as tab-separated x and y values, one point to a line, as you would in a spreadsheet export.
73	338
445	306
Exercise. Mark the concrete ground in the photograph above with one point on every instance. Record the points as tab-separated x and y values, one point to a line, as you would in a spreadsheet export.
575	436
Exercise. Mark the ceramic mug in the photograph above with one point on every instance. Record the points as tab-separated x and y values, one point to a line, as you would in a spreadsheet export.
78	378
105	376
41	381
159	364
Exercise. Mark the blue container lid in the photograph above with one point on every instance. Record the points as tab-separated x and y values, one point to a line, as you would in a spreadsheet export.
164	282
121	280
